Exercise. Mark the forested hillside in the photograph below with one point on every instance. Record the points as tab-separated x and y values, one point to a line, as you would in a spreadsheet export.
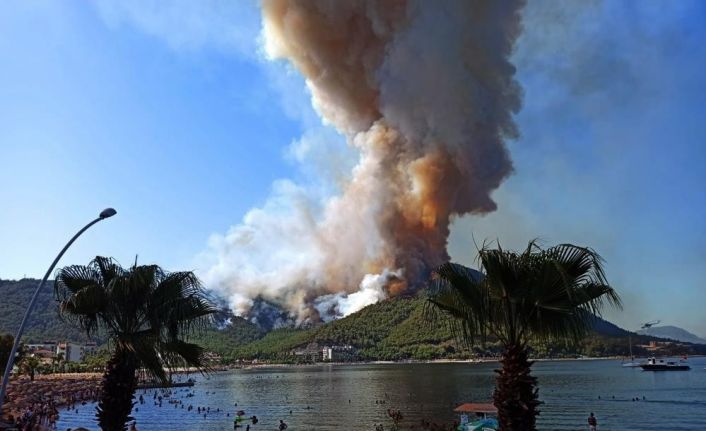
389	330
397	330
394	329
44	323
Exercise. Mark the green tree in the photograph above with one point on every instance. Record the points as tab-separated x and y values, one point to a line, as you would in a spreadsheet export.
97	361
145	312
519	297
29	366
60	361
6	341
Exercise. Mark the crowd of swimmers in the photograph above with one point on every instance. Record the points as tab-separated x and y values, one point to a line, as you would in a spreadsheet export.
37	417
632	399
177	398
42	412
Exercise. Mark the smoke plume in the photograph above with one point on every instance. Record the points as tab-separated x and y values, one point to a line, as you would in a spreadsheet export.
425	93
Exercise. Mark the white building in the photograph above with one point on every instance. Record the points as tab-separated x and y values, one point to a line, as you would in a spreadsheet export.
72	352
338	353
327	354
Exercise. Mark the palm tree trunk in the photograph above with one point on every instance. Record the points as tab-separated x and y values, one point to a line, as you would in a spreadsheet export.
515	392
119	383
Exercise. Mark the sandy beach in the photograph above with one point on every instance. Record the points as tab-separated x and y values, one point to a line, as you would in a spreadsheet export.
40	399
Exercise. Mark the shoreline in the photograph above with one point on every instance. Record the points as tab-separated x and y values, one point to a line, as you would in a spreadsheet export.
226	368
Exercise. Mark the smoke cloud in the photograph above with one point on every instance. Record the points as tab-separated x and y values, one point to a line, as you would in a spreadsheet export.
424	92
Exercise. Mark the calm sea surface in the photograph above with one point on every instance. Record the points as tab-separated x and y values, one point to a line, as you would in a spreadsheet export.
349	397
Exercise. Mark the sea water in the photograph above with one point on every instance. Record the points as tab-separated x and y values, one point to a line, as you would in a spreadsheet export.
357	397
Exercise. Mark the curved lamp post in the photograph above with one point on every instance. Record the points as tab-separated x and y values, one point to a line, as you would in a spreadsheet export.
108	212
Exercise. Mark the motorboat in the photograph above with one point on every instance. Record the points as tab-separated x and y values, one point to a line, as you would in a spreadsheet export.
477	417
654	364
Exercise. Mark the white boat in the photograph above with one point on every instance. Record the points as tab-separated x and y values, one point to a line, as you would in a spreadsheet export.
632	363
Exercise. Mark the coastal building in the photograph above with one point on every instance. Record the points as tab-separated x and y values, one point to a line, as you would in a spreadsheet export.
46	345
338	353
655	346
90	348
74	352
312	352
45	356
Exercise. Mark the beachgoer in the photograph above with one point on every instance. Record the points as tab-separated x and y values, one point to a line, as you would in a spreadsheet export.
134	426
592	422
282	425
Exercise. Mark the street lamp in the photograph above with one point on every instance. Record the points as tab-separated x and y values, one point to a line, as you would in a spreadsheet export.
106	213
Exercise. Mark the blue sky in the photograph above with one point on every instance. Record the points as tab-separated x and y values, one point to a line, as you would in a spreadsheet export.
168	112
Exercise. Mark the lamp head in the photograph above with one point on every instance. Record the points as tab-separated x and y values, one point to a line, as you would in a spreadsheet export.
108	212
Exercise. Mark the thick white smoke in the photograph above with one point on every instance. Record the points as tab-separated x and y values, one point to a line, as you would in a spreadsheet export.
372	290
425	93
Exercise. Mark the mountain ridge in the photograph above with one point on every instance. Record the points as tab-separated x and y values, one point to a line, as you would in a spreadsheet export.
673	333
393	329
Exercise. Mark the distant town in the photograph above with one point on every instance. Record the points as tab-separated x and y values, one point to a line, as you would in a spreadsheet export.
317	353
49	351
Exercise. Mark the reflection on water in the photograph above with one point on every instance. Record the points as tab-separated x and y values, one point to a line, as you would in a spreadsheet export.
356	397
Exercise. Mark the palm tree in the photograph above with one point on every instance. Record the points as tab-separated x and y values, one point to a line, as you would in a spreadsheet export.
29	366
145	312
521	297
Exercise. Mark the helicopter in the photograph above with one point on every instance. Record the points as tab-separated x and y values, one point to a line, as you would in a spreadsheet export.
648	325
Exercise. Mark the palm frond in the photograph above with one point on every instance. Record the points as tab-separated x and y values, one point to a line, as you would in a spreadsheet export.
107	267
179	353
179	304
551	294
458	292
71	279
145	310
144	348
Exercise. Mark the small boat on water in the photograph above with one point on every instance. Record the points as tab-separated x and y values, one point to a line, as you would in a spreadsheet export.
477	417
632	363
654	364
